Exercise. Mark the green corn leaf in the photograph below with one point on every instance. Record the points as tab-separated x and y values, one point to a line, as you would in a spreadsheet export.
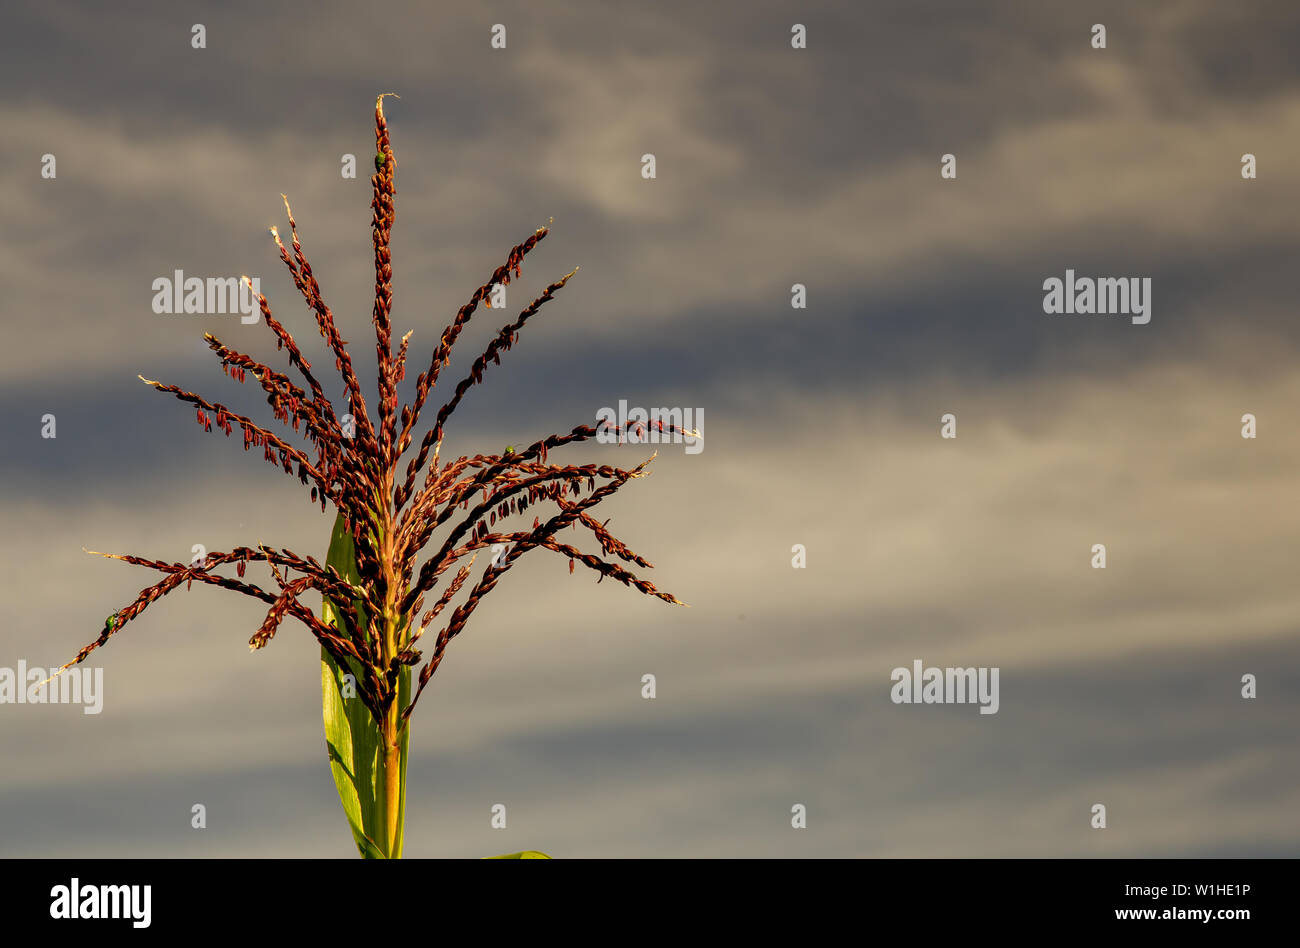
352	737
526	854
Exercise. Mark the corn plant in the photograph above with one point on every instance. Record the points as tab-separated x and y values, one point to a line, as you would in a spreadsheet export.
396	539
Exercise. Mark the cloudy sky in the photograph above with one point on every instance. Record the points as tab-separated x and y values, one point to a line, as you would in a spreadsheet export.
774	166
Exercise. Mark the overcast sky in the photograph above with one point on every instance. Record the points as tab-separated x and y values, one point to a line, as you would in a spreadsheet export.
774	166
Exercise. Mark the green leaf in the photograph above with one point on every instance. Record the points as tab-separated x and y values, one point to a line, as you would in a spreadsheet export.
526	854
352	737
